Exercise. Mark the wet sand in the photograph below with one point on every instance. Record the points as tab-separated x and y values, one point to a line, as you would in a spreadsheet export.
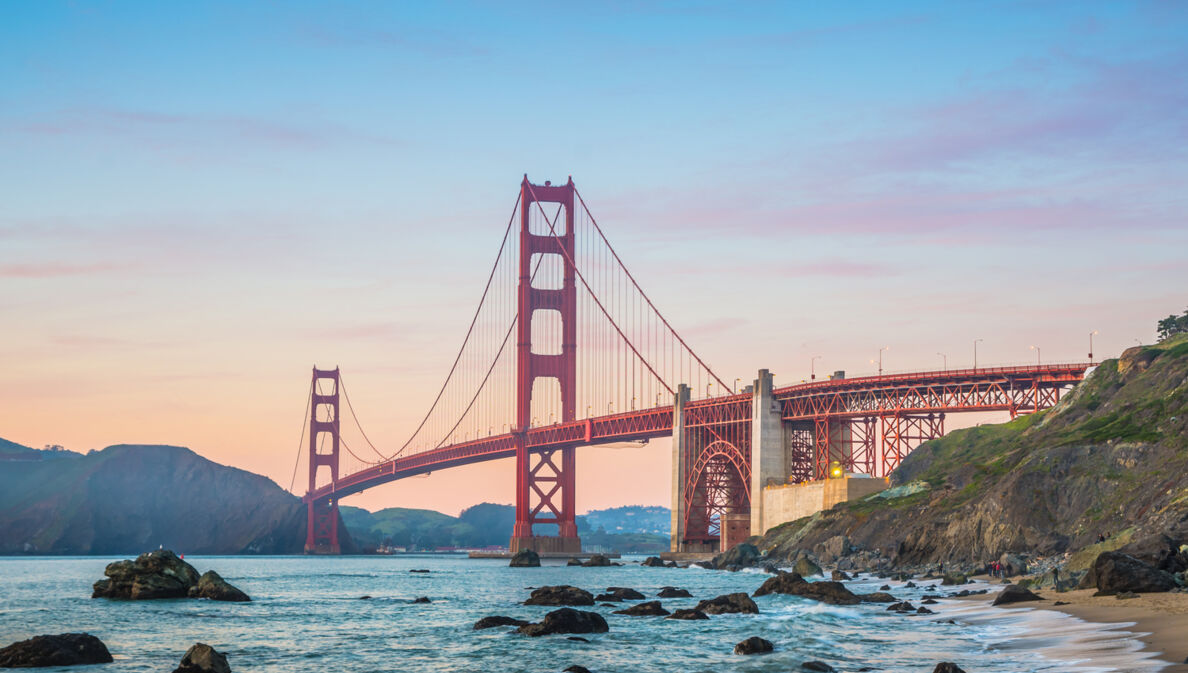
1158	621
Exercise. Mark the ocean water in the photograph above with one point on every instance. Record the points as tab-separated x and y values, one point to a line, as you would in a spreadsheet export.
307	615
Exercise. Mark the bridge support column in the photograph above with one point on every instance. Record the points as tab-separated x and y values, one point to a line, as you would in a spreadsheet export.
767	446
321	535
681	463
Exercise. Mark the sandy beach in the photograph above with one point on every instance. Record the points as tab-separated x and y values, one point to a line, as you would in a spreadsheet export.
1159	621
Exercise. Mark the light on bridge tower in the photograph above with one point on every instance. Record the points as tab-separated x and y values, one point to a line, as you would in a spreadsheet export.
551	481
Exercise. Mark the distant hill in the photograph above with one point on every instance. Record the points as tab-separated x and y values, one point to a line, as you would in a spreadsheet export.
127	499
630	529
13	451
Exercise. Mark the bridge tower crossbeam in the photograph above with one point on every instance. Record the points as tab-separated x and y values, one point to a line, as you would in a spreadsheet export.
322	515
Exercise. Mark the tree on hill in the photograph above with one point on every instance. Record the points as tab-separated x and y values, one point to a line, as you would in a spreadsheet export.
1172	325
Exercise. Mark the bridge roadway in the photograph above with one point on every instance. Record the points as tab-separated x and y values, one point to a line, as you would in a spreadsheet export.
1012	389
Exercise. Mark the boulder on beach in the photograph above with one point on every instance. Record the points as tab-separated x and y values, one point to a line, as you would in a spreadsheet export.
1114	572
215	588
834	593
673	592
566	620
66	649
1012	565
202	658
729	603
1013	593
1160	551
560	595
953	579
161	574
806	568
525	558
646	609
754	645
878	597
497	620
904	606
687	613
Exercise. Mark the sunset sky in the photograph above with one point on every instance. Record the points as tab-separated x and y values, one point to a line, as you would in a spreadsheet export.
200	201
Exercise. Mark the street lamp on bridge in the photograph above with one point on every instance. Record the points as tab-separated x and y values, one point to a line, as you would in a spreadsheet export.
884	348
976	352
1091	345
1037	355
945	359
813	367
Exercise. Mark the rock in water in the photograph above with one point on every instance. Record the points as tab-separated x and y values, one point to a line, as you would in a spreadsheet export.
648	609
560	595
879	597
806	568
566	620
497	620
597	561
1114	572
754	645
525	558
653	562
820	666
947	667
839	576
834	593
156	574
741	555
211	586
625	594
738	602
1013	593
67	649
575	669
202	658
673	592
687	613
574	562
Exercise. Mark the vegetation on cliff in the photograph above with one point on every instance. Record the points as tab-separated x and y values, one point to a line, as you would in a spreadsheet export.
1110	458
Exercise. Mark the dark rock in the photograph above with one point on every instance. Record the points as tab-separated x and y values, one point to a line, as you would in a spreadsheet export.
597	561
608	605
819	666
877	597
904	606
754	645
157	574
653	562
419	570
578	639
625	594
575	669
737	602
1059	603
947	667
1114	572
1013	593
910	585
215	588
806	568
923	611
574	562
525	558
834	593
497	620
1159	551
952	579
1013	565
202	658
1126	594
648	609
673	592
771	569
566	620
365	598
929	601
607	598
742	555
703	564
66	649
687	613
839	576
885	587
560	595
422	599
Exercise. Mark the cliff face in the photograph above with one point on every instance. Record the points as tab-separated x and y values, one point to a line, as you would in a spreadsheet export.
1112	457
126	499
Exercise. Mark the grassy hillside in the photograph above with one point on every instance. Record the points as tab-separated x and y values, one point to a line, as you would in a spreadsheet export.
1112	457
126	499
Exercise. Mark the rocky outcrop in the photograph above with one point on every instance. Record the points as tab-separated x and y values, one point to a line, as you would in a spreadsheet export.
598	561
618	594
1014	593
497	620
66	649
754	645
653	562
673	592
878	597
161	574
211	586
647	609
1159	551
729	603
202	658
525	558
806	568
1114	572
834	593
687	613
566	620
839	576
560	595
743	555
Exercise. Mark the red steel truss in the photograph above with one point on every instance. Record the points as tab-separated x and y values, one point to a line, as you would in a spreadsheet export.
322	514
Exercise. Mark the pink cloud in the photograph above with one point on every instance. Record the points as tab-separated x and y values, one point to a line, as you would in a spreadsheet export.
58	270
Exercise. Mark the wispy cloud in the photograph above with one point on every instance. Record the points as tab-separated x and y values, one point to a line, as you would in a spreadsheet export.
58	270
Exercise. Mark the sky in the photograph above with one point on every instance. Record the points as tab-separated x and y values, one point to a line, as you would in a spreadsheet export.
200	201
